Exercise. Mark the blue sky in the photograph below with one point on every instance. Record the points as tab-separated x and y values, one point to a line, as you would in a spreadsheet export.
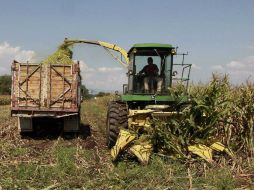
218	34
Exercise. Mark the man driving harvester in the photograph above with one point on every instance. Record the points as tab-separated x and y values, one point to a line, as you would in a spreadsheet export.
151	74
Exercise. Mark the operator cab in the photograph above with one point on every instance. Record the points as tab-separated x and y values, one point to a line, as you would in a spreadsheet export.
162	56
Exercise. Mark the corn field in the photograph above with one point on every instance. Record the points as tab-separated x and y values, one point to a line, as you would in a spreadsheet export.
218	111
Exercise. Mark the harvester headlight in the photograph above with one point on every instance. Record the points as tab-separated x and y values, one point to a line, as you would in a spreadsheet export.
173	51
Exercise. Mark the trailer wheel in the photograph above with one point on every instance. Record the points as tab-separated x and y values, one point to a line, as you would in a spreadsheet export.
117	117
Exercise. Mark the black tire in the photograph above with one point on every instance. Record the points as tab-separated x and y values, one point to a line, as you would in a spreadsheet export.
117	117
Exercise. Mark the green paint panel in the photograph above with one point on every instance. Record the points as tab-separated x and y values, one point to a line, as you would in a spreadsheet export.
152	45
133	98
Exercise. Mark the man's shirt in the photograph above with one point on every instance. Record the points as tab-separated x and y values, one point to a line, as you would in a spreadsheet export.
150	70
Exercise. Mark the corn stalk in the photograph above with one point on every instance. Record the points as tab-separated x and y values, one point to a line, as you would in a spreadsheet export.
199	122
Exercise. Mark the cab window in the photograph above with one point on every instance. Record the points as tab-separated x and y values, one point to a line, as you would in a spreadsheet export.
141	62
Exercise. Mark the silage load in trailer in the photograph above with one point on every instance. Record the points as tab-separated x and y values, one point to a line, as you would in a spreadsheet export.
63	55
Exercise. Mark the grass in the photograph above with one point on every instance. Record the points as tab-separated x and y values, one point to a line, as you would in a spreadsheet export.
5	100
78	163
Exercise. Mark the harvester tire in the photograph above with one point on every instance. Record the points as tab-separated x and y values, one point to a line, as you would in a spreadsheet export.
117	117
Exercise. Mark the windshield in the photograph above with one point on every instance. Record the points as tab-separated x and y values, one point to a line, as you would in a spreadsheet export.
141	62
151	74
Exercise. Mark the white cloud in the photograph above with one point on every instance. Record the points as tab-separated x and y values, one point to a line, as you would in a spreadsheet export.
109	69
249	60
85	68
245	64
250	47
9	53
217	67
102	78
195	67
236	65
241	70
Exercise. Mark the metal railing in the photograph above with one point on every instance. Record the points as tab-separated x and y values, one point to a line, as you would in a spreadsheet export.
185	74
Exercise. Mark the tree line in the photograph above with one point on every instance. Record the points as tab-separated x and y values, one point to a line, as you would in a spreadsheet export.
5	84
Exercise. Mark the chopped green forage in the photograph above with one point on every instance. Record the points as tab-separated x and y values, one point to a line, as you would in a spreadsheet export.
63	55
